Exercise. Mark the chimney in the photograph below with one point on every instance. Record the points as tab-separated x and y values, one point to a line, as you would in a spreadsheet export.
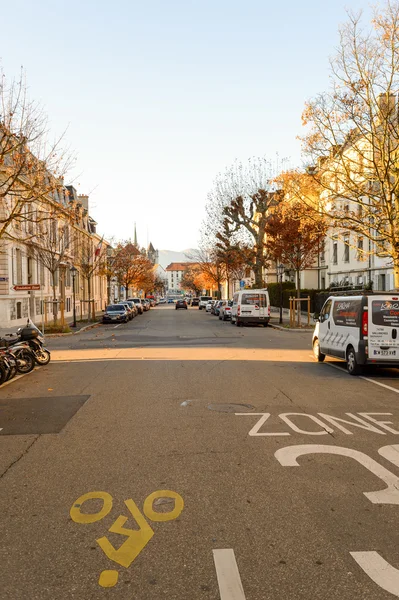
84	200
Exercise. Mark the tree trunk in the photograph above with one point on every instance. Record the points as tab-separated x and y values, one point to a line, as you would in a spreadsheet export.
55	305
258	269
396	272
89	298
298	295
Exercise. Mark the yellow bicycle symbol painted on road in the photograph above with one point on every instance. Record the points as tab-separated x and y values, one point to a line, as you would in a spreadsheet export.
137	539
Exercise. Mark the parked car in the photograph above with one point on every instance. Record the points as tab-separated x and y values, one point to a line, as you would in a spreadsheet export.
133	307
138	305
115	313
181	304
128	308
217	306
148	303
162	301
250	306
195	302
203	301
145	305
171	301
360	328
225	310
209	305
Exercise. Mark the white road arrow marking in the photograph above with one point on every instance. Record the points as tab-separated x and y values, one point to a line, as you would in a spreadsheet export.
379	570
229	579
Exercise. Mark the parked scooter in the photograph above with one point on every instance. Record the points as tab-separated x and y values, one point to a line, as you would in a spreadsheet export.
35	339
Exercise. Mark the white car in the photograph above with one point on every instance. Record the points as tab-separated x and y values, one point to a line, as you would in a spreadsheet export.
225	310
359	328
209	305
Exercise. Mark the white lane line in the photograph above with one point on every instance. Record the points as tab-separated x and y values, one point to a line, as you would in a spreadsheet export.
384	385
379	570
229	579
116	326
388	387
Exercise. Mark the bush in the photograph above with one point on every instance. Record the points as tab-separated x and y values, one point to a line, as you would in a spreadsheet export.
317	297
274	291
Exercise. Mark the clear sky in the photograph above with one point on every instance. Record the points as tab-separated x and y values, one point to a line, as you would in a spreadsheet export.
161	95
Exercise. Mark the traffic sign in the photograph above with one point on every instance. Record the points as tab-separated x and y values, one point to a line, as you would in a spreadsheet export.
27	287
242	283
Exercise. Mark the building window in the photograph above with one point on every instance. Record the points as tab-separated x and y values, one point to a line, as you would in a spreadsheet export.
346	249
382	285
322	251
18	260
19	310
360	255
335	253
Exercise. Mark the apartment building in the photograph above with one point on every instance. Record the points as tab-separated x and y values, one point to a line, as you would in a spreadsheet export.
40	251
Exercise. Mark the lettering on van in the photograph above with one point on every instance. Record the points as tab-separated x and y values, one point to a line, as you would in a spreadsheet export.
385	313
348	313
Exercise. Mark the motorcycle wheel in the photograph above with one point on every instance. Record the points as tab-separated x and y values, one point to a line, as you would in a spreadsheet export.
25	361
42	357
11	368
3	373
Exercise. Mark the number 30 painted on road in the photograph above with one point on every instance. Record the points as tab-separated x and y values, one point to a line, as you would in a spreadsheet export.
377	568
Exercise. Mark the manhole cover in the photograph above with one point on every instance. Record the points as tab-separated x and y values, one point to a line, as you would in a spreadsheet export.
230	408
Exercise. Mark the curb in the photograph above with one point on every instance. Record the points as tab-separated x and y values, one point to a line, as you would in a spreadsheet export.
55	335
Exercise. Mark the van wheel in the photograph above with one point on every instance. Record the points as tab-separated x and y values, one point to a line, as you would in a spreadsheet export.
319	356
351	362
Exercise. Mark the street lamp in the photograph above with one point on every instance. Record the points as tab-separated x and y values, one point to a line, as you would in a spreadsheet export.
280	271
73	271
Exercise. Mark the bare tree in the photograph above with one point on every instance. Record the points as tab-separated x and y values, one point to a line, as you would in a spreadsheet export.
52	247
31	166
352	137
90	259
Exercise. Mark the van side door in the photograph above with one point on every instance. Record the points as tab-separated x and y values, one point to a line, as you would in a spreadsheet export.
325	327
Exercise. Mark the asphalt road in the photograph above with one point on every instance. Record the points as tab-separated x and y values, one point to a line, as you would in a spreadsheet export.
276	477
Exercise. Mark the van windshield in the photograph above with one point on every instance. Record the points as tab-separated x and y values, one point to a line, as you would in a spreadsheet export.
385	312
204	298
254	299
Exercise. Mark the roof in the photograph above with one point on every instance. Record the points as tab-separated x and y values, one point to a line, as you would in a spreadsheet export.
179	266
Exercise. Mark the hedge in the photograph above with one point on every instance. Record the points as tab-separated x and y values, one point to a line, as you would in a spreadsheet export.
317	297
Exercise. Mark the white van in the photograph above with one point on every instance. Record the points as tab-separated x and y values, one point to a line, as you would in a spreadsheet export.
250	306
361	329
203	301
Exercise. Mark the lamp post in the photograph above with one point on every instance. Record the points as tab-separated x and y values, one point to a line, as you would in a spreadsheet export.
73	271
280	271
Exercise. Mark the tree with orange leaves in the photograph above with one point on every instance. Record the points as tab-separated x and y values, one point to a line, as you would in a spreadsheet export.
294	234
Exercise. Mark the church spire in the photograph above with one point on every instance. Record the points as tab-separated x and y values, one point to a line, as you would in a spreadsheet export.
135	235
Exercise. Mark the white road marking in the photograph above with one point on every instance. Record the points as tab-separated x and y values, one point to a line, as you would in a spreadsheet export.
379	570
116	326
287	457
388	387
229	580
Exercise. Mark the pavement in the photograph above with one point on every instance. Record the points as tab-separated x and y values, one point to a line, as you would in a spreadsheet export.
180	457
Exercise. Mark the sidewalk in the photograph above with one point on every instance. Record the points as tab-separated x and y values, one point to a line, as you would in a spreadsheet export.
68	321
275	316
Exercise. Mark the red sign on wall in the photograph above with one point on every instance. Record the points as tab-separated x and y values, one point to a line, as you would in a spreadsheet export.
28	287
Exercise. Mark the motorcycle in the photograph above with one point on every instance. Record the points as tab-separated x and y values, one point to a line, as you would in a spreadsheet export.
30	337
35	339
16	355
